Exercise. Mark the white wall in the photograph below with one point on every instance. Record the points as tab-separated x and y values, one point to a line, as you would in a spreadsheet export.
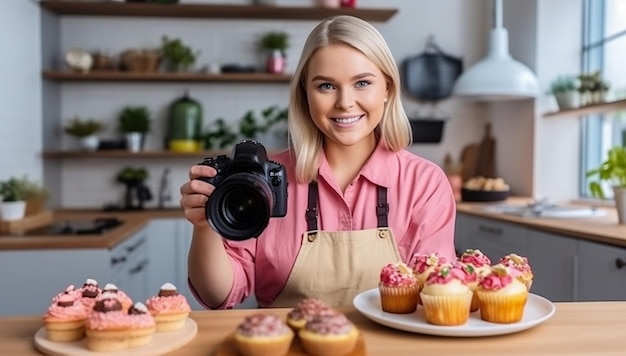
459	28
20	92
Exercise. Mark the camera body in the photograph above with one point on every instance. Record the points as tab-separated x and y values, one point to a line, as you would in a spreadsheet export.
249	189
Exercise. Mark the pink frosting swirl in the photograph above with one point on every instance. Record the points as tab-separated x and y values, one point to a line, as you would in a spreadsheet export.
336	324
308	308
264	325
139	317
499	277
397	274
517	262
447	273
424	261
468	270
172	304
113	320
475	257
72	291
66	308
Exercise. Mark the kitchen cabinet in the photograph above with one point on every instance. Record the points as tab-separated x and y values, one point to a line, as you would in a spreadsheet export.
494	238
30	278
601	272
553	260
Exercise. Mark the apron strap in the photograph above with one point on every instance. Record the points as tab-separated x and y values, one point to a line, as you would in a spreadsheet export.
382	207
311	210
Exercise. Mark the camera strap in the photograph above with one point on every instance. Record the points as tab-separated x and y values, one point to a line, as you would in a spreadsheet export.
382	207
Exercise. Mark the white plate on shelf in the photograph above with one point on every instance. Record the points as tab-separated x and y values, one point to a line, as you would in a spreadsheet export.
538	309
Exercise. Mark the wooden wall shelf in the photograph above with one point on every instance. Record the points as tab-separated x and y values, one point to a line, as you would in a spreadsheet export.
211	11
589	109
130	155
116	76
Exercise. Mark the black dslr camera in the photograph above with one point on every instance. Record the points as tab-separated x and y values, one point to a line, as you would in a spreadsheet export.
249	189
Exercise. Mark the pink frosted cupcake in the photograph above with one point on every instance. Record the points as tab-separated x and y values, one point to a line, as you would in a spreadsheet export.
329	335
521	265
398	288
89	292
169	309
502	295
108	327
305	310
142	325
126	301
446	297
471	279
65	319
263	334
423	265
475	257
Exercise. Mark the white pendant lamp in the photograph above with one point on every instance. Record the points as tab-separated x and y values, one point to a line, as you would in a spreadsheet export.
498	76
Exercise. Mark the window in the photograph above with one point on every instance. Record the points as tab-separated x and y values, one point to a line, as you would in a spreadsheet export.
604	50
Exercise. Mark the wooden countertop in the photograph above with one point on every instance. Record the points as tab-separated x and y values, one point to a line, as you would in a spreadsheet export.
601	229
575	329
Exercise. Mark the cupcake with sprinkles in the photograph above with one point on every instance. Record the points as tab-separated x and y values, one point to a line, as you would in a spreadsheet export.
520	264
169	308
329	335
446	297
305	310
502	296
65	318
263	334
423	265
398	288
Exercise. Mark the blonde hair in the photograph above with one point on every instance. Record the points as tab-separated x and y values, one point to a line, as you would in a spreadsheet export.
394	129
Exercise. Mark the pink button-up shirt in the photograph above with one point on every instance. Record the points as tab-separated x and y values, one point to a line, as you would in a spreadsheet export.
422	214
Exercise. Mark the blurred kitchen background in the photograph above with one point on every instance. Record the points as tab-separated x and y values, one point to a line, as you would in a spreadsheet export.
535	154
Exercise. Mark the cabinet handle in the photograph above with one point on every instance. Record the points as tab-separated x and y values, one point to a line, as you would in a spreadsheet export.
139	267
116	260
619	263
490	230
135	246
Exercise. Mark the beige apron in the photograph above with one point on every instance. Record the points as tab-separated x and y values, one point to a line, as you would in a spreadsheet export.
336	266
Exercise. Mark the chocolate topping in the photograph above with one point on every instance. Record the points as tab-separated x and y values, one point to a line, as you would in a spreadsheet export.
65	303
107	305
135	311
168	293
90	293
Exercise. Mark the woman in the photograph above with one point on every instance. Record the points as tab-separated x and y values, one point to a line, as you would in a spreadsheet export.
369	201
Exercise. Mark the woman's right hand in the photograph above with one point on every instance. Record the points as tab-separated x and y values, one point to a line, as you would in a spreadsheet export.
195	194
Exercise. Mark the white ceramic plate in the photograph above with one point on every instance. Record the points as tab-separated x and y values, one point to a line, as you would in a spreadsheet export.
538	309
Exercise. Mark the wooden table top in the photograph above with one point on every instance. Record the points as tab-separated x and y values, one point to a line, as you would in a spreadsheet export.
575	329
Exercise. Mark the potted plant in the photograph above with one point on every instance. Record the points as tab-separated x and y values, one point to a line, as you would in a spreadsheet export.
85	131
612	172
274	44
565	91
218	135
262	130
36	196
135	124
14	193
177	55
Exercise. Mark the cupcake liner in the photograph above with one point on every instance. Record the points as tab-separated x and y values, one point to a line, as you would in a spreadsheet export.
446	310
170	322
108	340
65	331
264	346
475	305
325	345
503	309
140	337
398	299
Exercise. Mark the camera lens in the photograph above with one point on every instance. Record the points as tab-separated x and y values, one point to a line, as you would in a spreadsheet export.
240	207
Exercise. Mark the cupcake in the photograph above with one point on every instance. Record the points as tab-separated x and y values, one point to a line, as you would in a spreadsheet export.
423	265
446	297
521	265
169	309
475	257
471	279
398	288
126	301
502	296
263	335
65	319
142	325
305	310
108	328
89	292
329	335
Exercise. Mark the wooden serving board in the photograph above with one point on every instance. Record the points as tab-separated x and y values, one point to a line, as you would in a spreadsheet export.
228	347
162	343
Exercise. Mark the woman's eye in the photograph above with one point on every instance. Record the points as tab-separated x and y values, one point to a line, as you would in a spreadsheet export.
325	86
362	83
